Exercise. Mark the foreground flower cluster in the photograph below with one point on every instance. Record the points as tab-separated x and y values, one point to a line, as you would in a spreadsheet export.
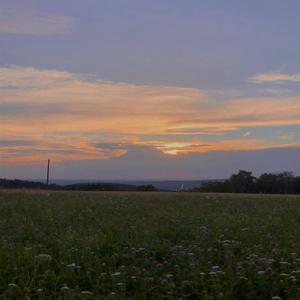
149	246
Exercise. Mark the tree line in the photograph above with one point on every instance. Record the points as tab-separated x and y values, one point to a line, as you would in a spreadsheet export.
245	182
24	184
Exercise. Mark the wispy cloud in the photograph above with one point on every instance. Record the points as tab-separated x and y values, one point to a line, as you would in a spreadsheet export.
75	116
175	148
289	136
274	92
246	134
274	78
33	22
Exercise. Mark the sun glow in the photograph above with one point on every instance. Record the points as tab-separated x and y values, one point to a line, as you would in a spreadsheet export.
174	148
78	117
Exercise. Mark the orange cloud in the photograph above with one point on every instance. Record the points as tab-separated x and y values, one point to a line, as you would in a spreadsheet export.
175	148
274	78
59	149
66	114
33	22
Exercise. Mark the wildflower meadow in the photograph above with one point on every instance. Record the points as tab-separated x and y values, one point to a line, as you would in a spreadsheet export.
118	245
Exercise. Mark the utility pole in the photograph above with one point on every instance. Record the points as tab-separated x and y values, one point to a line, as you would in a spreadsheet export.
48	167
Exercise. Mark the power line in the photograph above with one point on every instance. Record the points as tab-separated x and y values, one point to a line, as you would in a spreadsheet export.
48	169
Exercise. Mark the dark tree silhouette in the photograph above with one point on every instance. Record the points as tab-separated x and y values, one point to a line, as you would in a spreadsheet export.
245	182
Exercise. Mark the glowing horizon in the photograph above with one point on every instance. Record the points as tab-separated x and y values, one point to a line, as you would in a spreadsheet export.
71	103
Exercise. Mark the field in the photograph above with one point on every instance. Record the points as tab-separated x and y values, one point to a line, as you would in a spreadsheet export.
74	245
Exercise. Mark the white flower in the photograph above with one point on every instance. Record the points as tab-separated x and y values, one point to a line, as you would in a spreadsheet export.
72	265
64	287
86	293
260	272
43	257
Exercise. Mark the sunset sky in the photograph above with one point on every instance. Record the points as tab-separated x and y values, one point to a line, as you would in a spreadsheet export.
149	89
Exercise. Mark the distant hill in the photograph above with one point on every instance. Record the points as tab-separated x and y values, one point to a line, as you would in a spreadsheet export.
169	185
100	187
23	184
166	185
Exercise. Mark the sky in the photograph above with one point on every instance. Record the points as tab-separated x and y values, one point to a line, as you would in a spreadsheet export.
139	89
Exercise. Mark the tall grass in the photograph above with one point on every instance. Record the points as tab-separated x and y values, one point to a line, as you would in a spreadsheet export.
72	245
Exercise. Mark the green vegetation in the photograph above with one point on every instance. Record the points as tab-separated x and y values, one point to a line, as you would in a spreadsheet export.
24	184
101	245
245	182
